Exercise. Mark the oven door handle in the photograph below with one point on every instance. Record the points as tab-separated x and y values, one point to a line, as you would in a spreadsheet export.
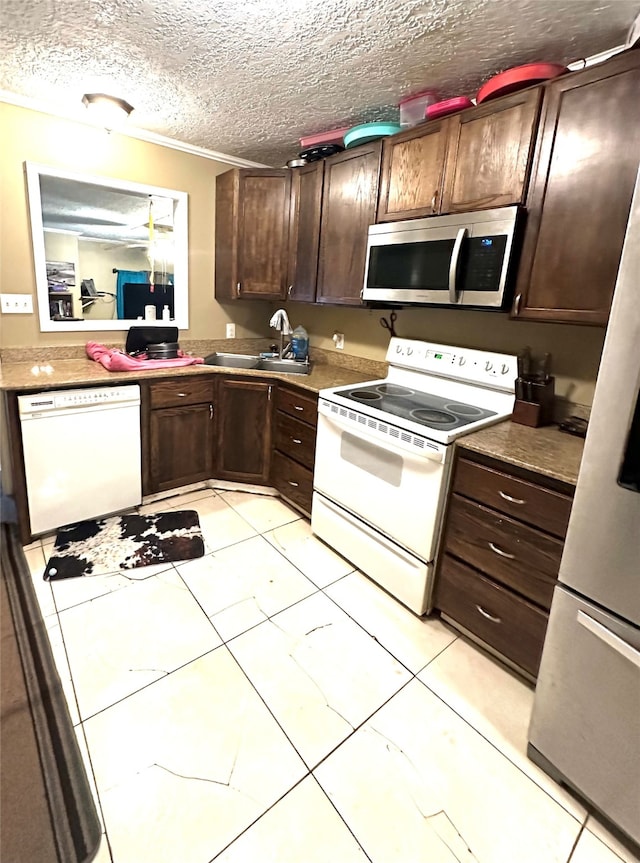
438	455
453	265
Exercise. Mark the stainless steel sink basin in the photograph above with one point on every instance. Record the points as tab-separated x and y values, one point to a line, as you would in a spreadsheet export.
235	361
289	366
266	364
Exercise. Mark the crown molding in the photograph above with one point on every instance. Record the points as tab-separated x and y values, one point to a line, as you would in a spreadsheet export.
79	116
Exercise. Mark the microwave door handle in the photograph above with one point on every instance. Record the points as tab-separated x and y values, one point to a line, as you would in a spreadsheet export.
453	266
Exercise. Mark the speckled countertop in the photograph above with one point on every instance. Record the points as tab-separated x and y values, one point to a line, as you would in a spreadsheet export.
543	450
43	370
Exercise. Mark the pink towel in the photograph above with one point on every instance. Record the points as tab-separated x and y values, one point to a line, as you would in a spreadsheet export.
116	360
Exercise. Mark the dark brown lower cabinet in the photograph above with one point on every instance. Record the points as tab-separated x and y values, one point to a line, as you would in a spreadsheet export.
294	444
243	430
497	570
180	433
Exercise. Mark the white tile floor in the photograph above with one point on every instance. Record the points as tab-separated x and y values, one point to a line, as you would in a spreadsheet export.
267	703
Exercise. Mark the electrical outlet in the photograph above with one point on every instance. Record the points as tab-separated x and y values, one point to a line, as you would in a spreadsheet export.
16	304
338	340
231	331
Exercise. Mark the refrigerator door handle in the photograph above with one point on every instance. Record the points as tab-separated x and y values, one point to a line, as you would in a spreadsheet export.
611	639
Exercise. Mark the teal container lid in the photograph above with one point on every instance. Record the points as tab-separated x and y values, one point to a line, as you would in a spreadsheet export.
369	132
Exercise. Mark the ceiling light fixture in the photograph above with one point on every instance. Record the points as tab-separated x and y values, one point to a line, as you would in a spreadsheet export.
109	111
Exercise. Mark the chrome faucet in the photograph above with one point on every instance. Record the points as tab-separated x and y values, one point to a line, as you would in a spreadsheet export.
280	321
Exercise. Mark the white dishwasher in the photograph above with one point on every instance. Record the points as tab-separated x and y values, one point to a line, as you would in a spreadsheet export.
81	453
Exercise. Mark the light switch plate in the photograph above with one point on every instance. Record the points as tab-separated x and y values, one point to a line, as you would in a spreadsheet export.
16	304
231	331
338	340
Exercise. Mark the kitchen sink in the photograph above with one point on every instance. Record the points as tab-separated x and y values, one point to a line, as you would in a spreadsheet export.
265	364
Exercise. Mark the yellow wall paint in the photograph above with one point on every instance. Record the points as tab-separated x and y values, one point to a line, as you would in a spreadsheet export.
35	137
32	136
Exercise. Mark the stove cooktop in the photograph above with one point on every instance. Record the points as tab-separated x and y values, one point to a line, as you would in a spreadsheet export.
430	411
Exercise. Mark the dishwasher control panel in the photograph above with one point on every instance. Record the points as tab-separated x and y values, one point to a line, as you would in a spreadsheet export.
80	398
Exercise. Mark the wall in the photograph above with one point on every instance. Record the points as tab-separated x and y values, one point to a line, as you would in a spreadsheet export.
32	136
575	350
37	137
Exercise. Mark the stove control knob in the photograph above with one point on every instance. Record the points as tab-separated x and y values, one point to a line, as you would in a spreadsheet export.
488	366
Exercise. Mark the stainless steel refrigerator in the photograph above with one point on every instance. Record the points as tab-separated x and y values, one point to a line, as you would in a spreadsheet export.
585	726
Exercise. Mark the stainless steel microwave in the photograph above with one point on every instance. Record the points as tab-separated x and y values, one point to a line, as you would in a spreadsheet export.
465	260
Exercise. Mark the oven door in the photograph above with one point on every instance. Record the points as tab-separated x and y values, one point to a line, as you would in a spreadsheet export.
380	480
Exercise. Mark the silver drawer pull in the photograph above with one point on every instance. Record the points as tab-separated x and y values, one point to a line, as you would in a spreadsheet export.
488	616
508	497
502	553
298	408
296	440
294	484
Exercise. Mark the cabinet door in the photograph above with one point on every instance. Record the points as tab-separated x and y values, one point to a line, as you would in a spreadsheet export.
263	233
304	231
580	194
412	172
243	430
181	446
252	233
489	153
348	208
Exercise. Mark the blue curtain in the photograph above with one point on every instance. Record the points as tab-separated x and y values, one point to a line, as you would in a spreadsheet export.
124	277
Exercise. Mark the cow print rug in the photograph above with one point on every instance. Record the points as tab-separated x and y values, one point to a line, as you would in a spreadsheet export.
101	546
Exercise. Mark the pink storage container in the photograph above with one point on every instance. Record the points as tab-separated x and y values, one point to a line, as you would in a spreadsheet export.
448	106
335	136
412	108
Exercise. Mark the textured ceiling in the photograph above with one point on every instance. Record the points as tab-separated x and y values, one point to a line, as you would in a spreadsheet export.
249	77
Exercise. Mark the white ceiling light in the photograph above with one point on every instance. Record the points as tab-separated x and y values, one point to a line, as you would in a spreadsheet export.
108	111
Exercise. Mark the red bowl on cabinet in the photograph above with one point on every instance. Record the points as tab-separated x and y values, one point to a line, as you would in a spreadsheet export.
517	78
447	106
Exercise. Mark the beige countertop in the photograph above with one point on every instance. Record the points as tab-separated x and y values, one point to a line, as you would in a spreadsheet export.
544	450
60	373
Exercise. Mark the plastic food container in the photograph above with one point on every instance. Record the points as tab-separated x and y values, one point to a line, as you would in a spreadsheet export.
448	106
334	136
369	132
412	108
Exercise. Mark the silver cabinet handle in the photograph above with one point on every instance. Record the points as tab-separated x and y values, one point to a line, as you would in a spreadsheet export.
502	553
296	440
181	395
269	395
434	201
289	290
453	266
508	497
238	289
298	408
516	305
486	614
294	484
361	293
210	412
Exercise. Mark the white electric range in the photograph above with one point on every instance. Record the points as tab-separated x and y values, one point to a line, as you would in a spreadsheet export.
383	457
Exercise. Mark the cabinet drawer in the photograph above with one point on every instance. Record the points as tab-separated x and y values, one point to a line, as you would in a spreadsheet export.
516	555
300	405
292	480
523	500
186	391
506	622
295	439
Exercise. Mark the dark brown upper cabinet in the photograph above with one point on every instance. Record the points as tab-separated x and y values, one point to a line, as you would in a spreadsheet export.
348	208
489	153
583	176
412	172
252	233
474	160
304	231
